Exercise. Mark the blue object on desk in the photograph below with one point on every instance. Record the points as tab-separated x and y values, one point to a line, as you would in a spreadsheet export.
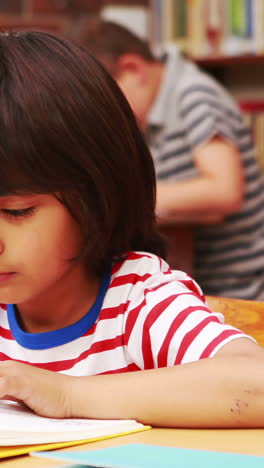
153	456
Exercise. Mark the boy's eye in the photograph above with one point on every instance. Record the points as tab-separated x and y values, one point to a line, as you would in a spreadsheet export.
18	213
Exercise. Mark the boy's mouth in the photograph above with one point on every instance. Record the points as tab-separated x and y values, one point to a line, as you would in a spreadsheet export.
6	276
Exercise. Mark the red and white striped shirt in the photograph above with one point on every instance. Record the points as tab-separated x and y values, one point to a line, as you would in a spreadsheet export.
145	316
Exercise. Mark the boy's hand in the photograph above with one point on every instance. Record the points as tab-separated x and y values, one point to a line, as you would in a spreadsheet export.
47	393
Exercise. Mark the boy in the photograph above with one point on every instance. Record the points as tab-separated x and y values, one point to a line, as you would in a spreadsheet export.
207	173
95	324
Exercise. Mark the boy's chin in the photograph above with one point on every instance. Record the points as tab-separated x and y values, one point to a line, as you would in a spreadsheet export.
10	298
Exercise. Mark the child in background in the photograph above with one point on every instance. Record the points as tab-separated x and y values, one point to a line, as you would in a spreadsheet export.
206	168
97	325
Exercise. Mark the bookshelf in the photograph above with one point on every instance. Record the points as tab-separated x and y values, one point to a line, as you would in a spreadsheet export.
210	27
241	74
224	60
226	39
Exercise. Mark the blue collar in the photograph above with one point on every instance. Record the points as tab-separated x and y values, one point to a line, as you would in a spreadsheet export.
64	335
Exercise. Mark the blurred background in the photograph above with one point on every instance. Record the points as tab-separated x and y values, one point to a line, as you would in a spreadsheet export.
225	37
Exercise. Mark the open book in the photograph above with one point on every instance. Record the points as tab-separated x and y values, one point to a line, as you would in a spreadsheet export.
20	427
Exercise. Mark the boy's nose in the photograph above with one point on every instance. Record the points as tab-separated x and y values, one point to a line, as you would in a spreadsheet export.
2	248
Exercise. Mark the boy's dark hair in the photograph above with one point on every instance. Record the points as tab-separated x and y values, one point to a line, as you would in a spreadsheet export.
66	129
107	41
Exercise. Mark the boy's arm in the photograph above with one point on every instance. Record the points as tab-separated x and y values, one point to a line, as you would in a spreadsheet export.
217	191
224	391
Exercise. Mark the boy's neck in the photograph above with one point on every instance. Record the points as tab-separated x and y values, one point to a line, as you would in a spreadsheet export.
61	306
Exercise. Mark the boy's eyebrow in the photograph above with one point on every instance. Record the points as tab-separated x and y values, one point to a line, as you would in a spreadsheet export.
18	198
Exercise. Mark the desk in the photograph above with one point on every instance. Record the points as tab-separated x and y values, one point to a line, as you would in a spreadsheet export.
245	441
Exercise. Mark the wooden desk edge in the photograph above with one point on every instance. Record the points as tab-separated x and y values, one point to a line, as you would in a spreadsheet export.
245	441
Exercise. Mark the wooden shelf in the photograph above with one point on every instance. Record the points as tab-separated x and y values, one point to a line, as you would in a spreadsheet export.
222	61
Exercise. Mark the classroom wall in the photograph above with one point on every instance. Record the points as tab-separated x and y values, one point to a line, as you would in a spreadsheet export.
51	15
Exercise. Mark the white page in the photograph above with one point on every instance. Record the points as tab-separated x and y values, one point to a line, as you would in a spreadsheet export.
19	425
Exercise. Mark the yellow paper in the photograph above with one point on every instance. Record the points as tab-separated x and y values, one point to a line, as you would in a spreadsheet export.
11	451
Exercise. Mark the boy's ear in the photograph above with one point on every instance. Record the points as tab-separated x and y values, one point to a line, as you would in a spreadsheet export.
132	64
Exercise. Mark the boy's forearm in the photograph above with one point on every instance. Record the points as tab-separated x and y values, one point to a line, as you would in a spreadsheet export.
181	396
216	190
190	218
195	199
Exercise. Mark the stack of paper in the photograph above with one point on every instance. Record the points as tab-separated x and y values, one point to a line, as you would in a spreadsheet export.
20	427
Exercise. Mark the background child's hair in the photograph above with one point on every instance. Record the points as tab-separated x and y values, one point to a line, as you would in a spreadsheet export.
107	41
66	129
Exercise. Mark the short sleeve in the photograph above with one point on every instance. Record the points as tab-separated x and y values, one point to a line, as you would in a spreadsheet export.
171	324
207	111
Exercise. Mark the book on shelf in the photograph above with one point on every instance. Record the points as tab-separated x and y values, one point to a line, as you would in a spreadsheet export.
246	20
169	22
215	27
22	431
258	27
215	19
156	24
196	27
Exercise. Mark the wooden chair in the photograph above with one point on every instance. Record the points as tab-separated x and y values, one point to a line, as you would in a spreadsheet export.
248	316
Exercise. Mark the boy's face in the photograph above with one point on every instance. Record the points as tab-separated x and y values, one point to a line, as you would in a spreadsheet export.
38	236
133	76
136	95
